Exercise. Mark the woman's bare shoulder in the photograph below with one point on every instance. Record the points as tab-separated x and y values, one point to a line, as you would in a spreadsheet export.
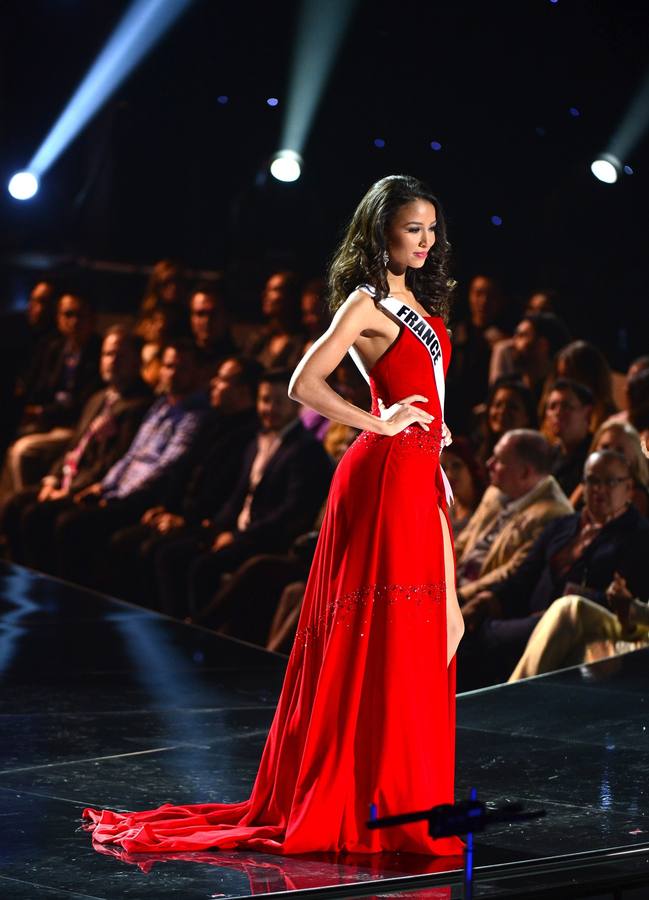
359	305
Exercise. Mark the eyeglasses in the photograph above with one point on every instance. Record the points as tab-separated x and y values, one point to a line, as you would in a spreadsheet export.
594	481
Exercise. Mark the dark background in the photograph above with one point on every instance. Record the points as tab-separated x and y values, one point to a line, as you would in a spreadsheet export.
165	170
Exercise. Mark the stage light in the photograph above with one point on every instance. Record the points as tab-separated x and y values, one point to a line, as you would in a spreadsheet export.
272	101
606	168
435	145
23	185
496	220
223	99
379	142
626	137
318	35
286	166
628	170
138	31
574	112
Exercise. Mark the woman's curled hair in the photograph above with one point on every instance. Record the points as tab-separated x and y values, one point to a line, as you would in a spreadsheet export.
359	258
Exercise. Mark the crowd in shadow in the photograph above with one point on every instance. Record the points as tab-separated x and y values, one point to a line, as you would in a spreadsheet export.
163	462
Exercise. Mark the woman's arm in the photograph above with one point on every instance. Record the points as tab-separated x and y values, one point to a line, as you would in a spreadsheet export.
308	384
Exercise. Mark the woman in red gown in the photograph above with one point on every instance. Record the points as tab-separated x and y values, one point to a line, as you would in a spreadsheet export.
367	710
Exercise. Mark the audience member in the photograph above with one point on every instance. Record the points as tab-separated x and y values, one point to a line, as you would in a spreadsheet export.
530	352
466	478
473	340
67	375
23	337
638	402
625	440
583	362
248	600
105	431
546	300
573	623
522	499
210	328
315	313
163	314
537	340
577	554
284	479
165	287
641	364
279	342
509	405
137	480
163	325
198	493
568	414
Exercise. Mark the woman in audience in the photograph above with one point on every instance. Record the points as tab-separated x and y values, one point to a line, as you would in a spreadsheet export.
509	405
165	290
279	343
466	479
584	363
638	401
162	325
625	440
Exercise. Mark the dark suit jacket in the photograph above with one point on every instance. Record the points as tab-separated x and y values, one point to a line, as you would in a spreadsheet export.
46	381
202	484
288	497
622	545
100	454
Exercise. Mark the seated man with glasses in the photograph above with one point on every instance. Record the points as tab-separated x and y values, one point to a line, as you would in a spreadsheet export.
580	618
599	555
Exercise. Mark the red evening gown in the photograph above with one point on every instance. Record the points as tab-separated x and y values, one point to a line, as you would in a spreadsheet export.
367	710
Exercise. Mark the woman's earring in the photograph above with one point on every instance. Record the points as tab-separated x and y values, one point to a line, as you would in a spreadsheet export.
386	257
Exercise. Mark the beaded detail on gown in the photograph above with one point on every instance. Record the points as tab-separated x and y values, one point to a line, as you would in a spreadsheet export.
367	709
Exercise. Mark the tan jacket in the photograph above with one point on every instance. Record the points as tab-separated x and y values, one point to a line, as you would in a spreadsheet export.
541	505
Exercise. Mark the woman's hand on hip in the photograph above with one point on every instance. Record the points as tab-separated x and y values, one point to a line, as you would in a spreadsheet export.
402	414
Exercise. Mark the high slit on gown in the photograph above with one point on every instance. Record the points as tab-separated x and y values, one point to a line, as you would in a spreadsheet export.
367	709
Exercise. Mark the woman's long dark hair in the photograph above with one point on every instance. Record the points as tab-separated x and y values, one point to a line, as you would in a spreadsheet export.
359	259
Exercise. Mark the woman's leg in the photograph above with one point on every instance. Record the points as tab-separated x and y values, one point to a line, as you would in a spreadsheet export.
454	620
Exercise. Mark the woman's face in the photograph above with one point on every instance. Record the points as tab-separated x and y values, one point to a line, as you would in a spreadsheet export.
622	443
506	411
411	235
459	478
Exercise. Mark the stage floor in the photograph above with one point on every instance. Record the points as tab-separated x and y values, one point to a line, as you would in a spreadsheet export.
108	705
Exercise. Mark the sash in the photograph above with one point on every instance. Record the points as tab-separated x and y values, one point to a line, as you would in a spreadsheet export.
427	336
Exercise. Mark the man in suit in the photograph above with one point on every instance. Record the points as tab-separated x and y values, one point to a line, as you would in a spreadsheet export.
283	481
200	487
578	554
522	499
68	374
106	428
134	483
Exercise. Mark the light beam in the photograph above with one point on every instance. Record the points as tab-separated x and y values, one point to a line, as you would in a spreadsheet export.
628	135
142	26
320	30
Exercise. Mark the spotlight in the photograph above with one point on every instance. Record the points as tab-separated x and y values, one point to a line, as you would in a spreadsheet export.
606	168
23	185
141	27
286	165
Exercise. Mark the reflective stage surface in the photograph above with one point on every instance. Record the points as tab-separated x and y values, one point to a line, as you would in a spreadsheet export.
108	705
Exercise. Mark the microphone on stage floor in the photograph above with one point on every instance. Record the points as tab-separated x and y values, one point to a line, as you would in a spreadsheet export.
449	819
